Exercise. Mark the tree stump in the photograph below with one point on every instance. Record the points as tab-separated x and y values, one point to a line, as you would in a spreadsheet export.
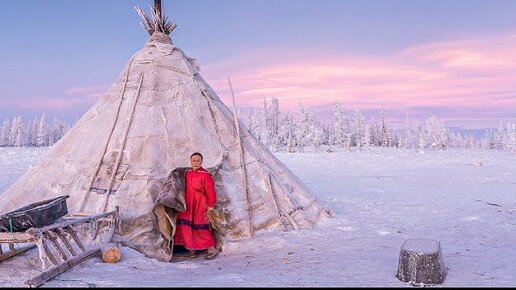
421	262
111	253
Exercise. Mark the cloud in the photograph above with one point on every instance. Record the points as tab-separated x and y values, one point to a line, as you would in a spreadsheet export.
86	92
475	76
73	97
472	78
477	54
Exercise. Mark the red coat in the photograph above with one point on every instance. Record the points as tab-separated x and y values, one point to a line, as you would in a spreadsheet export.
193	229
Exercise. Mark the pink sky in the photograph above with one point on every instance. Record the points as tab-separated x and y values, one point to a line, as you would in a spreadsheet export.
75	96
467	79
476	78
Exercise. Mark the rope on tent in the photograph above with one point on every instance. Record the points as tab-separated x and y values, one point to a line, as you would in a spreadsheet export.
168	67
104	149
121	149
242	162
171	68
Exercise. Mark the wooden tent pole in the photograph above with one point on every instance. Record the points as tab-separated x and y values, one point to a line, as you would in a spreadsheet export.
242	163
157	6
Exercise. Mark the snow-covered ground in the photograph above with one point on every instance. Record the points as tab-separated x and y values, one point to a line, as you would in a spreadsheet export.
14	162
466	199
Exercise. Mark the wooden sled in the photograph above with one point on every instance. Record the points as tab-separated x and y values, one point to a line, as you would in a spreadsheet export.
62	235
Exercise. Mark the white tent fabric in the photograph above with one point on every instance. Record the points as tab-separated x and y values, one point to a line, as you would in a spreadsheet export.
157	113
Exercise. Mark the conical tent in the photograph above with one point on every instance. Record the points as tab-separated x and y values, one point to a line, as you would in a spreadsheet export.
148	123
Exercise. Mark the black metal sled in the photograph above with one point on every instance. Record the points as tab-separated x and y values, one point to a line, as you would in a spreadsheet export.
34	215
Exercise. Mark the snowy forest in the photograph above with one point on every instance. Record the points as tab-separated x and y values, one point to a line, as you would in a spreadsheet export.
302	131
349	129
38	133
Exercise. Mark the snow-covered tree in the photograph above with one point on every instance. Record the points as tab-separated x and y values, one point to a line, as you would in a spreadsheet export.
485	143
471	142
32	129
376	132
18	132
488	141
385	131
437	133
309	130
359	128
456	140
511	138
499	137
408	138
399	141
5	134
368	137
421	143
273	115
303	126
265	121
59	129
254	124
288	133
340	129
394	139
317	135
42	132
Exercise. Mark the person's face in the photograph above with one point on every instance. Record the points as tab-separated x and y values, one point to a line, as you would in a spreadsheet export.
196	162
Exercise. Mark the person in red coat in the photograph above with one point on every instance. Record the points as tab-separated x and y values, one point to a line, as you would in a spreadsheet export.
193	228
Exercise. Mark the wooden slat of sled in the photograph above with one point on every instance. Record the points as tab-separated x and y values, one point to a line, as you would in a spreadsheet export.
17	237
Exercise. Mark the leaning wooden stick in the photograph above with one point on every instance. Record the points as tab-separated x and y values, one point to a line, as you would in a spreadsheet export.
242	163
58	269
10	254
